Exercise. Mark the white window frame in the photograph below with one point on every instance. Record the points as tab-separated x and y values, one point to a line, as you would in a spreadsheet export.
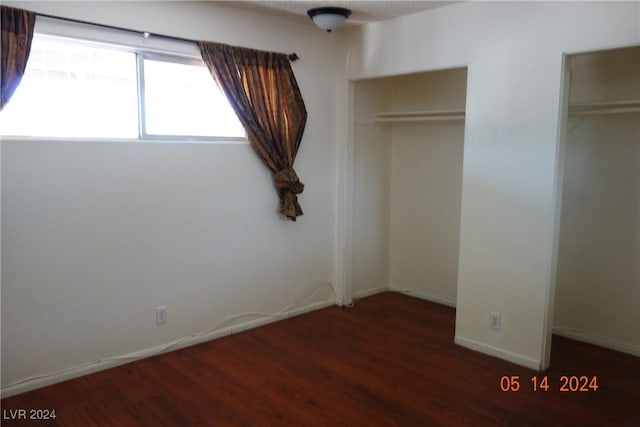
141	55
143	47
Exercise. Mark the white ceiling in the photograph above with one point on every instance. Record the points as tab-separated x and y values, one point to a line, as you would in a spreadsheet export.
363	11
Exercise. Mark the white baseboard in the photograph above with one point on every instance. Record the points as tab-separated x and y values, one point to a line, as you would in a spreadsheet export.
369	292
418	293
102	364
60	376
574	334
518	359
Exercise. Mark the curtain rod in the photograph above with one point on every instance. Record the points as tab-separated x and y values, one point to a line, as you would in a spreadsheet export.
292	56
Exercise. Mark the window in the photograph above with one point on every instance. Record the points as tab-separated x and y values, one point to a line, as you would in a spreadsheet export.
74	88
181	98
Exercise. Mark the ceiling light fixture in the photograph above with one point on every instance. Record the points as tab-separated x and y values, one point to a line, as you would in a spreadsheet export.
329	18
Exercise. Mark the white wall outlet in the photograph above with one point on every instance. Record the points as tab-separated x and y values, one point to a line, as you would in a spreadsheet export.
496	321
161	315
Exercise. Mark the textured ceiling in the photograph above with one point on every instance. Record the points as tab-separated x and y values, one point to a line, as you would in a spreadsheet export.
363	11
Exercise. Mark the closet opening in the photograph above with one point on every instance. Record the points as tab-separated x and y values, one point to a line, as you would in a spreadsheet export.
597	291
408	142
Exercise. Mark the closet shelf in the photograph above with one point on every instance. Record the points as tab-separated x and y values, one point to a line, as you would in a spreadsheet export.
611	107
418	116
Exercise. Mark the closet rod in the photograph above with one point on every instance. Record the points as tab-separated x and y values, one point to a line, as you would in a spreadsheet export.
292	56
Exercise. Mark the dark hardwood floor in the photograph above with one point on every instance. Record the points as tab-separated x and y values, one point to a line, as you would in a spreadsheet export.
390	360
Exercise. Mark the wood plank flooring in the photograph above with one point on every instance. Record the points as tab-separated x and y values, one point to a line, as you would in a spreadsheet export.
389	361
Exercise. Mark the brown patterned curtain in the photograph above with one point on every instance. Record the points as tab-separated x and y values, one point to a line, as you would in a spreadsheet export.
264	93
17	33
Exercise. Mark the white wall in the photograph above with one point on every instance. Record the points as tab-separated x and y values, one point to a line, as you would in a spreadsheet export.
371	190
426	186
514	54
598	280
95	235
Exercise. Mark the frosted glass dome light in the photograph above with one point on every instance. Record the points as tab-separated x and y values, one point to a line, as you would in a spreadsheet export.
329	18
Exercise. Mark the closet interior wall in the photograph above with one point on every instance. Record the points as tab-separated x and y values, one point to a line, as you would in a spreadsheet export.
598	274
371	190
408	151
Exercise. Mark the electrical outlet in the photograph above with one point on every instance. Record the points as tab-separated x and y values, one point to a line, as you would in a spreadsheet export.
161	315
496	321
